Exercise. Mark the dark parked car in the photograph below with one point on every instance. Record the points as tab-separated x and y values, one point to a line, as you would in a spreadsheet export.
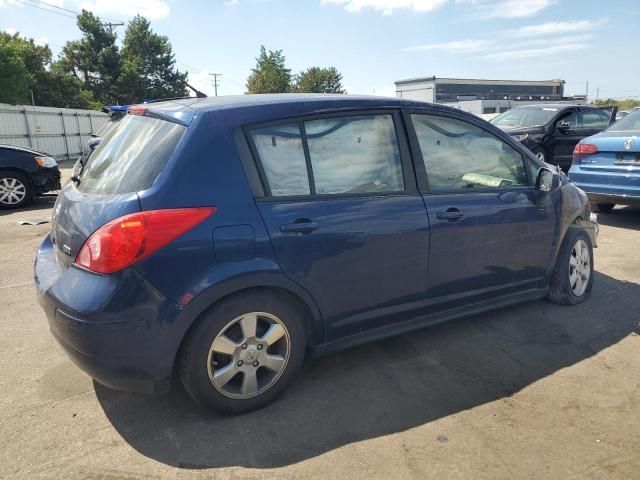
607	165
222	239
552	131
25	173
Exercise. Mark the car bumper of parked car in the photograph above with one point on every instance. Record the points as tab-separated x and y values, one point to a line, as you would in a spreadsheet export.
618	188
116	328
46	180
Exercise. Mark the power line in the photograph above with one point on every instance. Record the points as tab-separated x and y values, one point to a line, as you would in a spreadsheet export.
49	7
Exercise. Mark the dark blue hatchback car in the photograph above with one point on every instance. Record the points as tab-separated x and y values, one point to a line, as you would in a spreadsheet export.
220	240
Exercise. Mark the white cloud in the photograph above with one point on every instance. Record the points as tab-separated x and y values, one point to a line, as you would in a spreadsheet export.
535	52
11	30
229	3
387	6
152	9
554	28
508	8
455	46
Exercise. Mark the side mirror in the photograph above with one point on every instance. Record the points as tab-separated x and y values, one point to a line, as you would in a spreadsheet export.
563	126
545	182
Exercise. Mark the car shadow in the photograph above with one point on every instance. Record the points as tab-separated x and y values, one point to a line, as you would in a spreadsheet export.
626	217
384	387
43	203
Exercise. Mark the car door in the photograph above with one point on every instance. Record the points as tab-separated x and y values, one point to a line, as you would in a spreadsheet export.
491	230
345	218
573	128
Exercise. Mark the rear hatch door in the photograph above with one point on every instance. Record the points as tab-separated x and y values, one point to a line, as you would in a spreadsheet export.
128	160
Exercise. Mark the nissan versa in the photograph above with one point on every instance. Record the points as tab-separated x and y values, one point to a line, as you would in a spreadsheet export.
223	239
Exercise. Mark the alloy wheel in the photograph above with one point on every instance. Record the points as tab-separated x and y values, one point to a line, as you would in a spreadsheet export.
579	268
248	355
12	191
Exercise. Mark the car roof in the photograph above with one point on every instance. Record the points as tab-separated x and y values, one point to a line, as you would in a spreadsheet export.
553	105
280	105
332	100
19	148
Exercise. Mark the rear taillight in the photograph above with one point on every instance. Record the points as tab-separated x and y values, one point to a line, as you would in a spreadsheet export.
128	239
584	149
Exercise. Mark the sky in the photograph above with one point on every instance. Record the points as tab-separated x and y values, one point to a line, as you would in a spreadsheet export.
373	43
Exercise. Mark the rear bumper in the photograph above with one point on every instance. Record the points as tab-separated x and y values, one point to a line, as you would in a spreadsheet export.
116	328
621	188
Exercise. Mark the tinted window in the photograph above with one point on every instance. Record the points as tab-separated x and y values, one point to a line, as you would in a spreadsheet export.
458	155
589	119
282	157
357	154
525	117
131	155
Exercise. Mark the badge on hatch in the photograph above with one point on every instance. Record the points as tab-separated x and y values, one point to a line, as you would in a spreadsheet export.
628	143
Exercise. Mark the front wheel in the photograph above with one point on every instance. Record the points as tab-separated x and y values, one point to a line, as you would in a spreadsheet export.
15	190
572	276
243	352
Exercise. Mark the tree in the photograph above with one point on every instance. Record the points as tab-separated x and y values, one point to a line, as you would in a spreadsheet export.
319	80
622	104
94	59
148	65
15	79
270	75
26	69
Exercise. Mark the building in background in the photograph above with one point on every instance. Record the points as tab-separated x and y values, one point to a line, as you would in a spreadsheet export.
484	97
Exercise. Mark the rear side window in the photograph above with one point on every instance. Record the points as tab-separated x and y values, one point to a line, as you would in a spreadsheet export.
282	156
356	154
458	155
131	155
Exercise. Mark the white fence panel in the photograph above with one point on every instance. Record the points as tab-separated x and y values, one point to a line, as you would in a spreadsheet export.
62	132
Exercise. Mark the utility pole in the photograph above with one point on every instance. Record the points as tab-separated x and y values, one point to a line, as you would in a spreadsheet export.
587	92
215	82
112	24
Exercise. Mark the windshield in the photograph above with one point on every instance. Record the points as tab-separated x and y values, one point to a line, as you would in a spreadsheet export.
131	155
628	123
525	117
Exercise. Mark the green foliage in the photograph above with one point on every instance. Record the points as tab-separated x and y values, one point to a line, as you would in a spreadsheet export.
270	75
26	67
148	65
625	104
319	80
94	59
91	71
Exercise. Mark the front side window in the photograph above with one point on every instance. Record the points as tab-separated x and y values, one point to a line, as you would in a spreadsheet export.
588	119
356	154
458	156
282	156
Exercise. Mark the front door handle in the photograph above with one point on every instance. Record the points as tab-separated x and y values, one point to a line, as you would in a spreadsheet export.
299	226
452	214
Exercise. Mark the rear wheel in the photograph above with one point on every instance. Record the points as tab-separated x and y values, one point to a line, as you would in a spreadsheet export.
572	276
15	190
243	352
603	207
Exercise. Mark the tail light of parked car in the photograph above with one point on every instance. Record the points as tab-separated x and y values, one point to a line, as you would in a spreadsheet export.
583	150
128	239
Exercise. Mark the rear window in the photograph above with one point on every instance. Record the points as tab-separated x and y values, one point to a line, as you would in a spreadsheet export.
131	155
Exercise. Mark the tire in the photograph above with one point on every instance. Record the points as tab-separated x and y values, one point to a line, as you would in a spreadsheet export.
207	357
603	207
570	264
542	154
15	190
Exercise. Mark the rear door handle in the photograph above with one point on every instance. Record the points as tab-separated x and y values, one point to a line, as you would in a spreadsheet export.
451	215
299	226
